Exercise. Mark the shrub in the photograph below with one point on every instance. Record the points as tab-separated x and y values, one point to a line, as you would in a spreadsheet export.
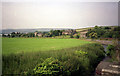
77	36
77	61
50	66
80	53
110	49
71	36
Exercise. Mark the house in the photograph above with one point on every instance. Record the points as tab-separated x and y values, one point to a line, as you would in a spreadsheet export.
17	32
66	33
38	34
6	34
35	34
83	34
69	32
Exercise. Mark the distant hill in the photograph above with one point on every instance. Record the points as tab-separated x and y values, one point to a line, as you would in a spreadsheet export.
86	29
8	31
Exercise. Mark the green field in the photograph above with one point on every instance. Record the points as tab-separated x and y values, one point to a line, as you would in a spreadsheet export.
18	45
50	57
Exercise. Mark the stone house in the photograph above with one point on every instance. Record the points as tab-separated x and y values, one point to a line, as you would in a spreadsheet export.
35	34
68	32
83	34
38	34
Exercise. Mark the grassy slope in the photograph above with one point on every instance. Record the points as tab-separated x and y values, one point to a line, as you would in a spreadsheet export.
18	45
86	29
83	29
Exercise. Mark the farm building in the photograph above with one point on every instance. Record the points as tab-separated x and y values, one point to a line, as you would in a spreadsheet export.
69	32
66	33
35	34
38	34
83	34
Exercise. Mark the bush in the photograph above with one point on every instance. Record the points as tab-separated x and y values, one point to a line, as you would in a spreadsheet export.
50	66
77	61
71	36
80	53
77	36
110	50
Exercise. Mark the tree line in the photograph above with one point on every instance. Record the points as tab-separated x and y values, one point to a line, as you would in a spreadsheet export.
104	32
93	33
52	33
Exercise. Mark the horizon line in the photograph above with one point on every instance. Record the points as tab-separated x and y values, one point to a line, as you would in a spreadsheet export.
57	27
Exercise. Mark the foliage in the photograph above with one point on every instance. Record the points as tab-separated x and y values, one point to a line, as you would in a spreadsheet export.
30	35
114	51
104	32
18	34
110	50
68	61
56	32
80	53
110	47
71	36
93	35
107	27
50	66
77	36
51	33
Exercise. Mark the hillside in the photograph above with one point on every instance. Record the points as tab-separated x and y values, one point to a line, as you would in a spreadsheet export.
83	29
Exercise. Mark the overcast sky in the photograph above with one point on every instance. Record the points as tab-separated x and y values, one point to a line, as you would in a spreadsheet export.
58	14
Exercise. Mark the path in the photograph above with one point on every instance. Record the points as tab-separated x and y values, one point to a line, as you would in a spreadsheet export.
105	67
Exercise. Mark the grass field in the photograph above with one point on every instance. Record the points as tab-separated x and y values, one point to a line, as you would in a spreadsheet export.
18	45
50	57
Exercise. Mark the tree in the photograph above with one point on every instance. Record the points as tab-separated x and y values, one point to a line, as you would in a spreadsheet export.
117	28
116	35
96	27
3	35
71	36
77	36
56	32
107	27
93	35
31	34
12	35
9	35
51	32
110	50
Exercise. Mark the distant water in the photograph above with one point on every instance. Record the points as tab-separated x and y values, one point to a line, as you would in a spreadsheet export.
0	31
8	31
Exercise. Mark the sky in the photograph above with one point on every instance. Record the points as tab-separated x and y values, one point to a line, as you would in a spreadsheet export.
58	14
